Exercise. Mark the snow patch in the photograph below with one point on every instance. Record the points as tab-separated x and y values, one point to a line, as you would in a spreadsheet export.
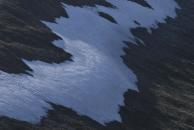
93	83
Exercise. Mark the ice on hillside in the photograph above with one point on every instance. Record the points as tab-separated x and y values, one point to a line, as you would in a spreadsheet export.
94	83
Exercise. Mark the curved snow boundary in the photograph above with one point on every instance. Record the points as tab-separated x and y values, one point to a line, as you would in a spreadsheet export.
94	83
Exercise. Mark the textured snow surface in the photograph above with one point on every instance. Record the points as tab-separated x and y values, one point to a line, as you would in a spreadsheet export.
94	83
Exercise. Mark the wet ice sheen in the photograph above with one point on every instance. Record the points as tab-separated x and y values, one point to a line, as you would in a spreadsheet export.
94	83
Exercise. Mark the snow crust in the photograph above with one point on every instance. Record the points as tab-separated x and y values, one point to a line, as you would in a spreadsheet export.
94	83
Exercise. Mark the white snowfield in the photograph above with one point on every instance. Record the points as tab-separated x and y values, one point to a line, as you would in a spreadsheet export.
94	83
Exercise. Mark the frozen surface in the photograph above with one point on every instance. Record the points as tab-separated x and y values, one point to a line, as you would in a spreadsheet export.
94	83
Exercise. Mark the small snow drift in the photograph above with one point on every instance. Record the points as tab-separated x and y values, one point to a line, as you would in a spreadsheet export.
93	83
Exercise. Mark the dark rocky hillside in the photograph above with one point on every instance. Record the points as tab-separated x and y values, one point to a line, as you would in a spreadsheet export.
23	36
164	66
165	69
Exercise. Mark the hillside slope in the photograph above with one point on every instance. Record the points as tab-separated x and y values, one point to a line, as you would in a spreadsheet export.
163	64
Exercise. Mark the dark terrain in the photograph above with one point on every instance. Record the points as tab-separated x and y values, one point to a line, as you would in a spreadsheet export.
22	35
164	66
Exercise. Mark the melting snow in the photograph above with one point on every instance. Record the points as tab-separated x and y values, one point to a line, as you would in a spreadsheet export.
94	83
